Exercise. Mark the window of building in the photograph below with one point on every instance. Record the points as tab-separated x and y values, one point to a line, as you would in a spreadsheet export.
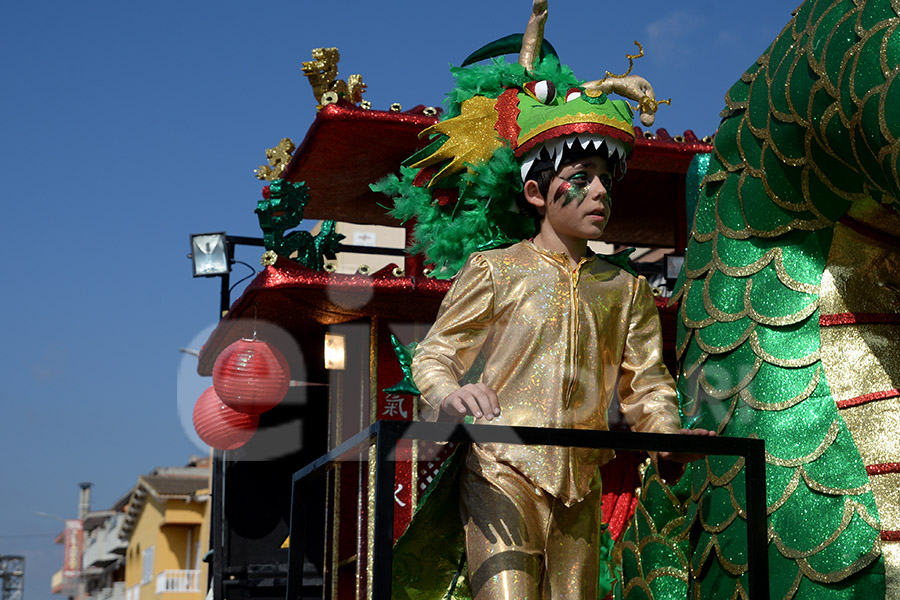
147	565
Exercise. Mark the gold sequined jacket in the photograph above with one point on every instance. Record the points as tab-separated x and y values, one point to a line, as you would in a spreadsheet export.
558	344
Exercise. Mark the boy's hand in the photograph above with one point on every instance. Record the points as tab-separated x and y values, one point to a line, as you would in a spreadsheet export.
476	399
686	457
670	465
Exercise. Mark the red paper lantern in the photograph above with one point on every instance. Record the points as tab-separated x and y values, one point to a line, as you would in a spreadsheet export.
220	426
251	376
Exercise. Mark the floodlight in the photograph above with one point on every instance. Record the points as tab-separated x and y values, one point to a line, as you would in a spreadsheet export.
209	254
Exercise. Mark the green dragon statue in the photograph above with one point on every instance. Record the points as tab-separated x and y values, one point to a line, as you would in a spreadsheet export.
280	212
789	320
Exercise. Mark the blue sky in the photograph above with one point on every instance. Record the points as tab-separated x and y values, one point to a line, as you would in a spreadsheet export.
127	126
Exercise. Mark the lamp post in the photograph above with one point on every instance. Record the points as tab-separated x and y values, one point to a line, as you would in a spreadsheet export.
212	255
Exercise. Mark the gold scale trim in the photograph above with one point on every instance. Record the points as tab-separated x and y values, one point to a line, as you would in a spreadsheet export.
730	567
755	404
850	508
803	565
829	438
639	583
719	315
835	576
775	254
803	361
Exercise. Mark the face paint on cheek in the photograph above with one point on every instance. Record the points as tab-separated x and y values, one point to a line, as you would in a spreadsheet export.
562	190
572	192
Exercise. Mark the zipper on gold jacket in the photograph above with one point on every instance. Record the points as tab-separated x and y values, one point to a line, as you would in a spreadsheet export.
573	336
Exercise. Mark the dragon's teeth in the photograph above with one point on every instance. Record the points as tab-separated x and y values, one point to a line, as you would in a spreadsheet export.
526	166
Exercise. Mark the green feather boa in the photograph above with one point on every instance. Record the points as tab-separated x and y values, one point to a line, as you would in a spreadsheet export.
489	213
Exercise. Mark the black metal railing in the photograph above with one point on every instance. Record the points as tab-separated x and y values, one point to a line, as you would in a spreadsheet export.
385	434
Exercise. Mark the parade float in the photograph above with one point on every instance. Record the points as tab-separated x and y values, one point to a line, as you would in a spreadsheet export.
364	321
782	327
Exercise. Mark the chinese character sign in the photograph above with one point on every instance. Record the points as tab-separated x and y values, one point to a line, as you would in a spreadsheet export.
72	548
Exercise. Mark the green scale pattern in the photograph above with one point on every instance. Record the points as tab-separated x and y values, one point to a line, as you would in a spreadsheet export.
809	129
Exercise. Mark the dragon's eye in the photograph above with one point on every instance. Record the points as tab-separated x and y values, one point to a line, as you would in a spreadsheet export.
543	91
572	94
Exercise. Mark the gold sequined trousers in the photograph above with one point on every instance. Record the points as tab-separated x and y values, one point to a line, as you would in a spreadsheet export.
521	542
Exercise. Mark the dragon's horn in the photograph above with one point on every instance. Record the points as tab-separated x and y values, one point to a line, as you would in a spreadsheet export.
633	87
506	45
533	38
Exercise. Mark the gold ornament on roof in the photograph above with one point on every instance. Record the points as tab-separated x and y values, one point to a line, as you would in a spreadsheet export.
279	157
268	258
322	73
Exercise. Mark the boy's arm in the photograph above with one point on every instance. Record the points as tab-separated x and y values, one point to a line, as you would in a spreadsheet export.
456	338
646	390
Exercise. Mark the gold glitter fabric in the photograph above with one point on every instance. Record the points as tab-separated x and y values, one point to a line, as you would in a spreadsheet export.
522	542
860	316
558	345
891	553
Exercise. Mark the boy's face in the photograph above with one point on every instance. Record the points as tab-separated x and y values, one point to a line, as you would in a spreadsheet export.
578	204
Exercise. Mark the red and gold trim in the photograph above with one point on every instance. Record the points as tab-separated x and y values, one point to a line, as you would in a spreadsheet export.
866	398
883	468
575	124
869	231
838	319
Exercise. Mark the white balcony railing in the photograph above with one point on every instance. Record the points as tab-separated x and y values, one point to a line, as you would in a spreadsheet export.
116	592
178	580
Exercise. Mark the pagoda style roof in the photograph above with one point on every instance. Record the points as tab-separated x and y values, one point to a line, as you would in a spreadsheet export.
346	149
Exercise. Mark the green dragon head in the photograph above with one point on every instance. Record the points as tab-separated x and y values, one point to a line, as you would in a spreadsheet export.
504	122
532	120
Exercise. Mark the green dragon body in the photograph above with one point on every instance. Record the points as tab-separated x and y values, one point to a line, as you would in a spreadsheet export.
788	326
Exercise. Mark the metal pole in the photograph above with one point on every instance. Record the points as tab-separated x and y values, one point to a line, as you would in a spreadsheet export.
225	295
296	550
383	547
217	527
757	523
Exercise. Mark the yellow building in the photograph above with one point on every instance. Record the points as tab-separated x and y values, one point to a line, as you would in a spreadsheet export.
167	524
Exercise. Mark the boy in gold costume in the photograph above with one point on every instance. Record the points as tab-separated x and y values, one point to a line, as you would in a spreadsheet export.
561	330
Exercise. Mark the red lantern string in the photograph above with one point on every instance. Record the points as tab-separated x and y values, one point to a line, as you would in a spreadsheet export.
251	376
220	426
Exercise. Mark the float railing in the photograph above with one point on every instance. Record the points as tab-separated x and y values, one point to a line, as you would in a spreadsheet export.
386	434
